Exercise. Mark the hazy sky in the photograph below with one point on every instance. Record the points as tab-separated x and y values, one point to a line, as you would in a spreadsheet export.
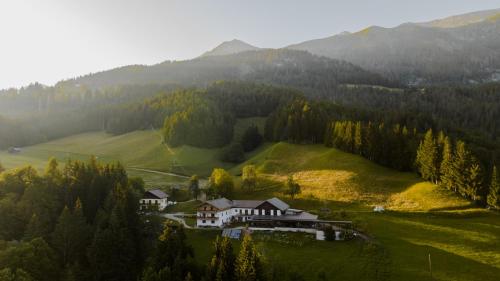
50	40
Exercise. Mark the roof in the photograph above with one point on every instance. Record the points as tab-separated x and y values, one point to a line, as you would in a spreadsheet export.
247	203
221	203
278	203
302	216
156	193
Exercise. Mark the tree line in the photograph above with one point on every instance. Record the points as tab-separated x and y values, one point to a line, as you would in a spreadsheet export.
453	166
80	222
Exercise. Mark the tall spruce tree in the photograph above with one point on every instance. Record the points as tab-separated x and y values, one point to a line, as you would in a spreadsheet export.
461	168
475	180
446	167
248	264
358	138
71	235
221	266
194	186
427	158
493	199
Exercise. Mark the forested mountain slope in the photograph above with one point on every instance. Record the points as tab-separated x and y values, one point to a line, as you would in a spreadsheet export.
283	67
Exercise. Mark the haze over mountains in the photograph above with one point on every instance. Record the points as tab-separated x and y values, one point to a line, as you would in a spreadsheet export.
460	49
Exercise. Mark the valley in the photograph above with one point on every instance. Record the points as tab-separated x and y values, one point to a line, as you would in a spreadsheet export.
135	146
422	219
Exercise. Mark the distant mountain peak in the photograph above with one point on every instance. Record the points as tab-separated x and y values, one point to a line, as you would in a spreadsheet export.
230	47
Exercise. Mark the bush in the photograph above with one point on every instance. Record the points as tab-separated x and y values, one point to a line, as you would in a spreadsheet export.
251	139
233	154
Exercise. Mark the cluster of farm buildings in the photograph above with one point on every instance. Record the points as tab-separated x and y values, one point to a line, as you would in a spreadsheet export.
268	214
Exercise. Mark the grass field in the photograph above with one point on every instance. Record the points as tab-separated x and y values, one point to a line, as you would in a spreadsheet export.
464	243
462	247
141	149
336	178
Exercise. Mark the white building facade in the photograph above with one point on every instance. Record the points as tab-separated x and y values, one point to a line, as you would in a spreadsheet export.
222	211
154	200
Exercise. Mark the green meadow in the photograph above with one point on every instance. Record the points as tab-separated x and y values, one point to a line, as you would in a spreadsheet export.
462	240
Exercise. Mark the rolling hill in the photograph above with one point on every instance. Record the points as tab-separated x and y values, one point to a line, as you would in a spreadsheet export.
326	174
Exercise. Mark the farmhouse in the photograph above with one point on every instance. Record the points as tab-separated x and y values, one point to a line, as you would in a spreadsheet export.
14	150
154	199
222	211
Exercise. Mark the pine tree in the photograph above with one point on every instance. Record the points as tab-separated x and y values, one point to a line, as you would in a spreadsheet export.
38	226
461	168
221	266
427	158
194	186
71	235
248	267
493	199
358	138
475	179
446	167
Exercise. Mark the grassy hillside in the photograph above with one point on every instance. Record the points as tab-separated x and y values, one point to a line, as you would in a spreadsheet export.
141	149
463	242
332	176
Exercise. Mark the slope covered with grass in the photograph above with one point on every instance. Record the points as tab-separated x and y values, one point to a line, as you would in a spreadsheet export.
327	174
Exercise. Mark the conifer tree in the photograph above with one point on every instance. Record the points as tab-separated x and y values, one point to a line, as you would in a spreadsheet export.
446	167
475	179
38	226
248	265
461	168
427	158
221	266
493	199
71	235
358	138
194	186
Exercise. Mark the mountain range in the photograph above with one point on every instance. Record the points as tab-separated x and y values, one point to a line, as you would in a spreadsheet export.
463	49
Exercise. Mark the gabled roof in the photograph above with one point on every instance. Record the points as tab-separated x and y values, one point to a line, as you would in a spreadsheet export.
221	203
278	203
155	193
247	203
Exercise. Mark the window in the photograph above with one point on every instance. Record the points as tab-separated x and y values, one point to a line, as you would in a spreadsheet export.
204	221
213	215
213	221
